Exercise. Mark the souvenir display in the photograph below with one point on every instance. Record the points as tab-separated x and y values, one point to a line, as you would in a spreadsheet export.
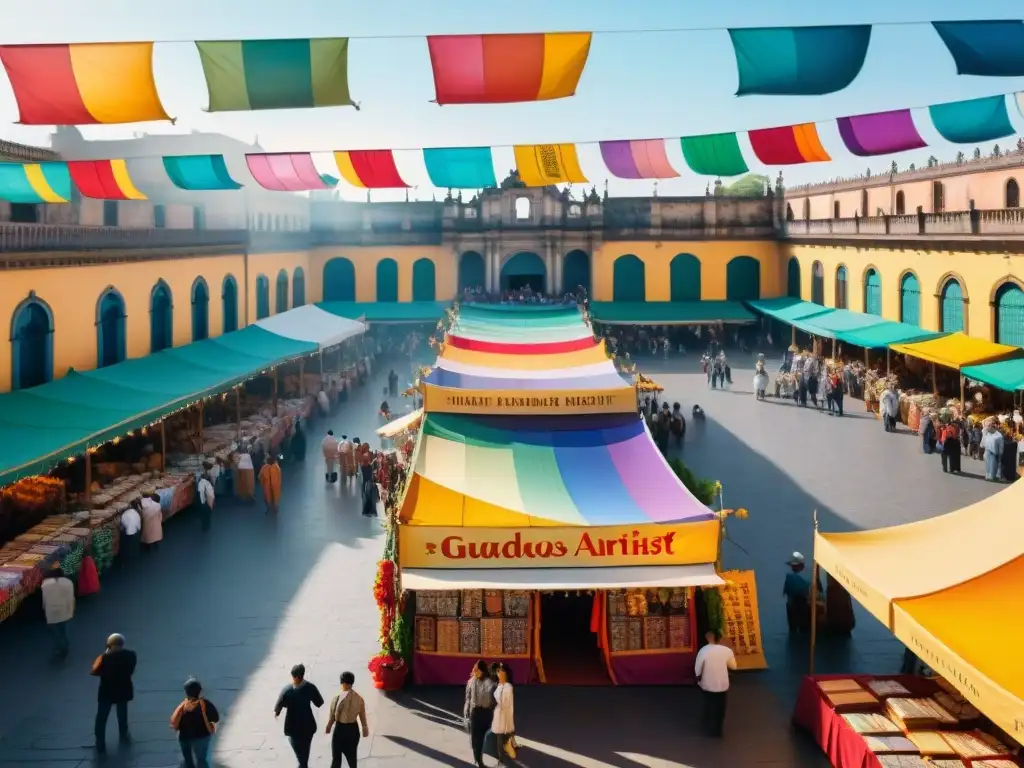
870	723
678	600
679	632
961	764
917	714
515	640
657	601
851	699
618	635
635	634
974	744
884	688
447	635
636	602
839	686
655	632
997	763
448	604
493	602
426	602
903	761
931	743
517	603
469	636
426	634
491	637
890	744
616	602
957	706
472	603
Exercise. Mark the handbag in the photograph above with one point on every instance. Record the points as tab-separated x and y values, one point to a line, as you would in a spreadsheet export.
210	727
88	577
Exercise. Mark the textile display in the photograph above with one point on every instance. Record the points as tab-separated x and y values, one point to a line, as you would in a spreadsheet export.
541	165
83	83
199	173
881	133
444	378
285	172
369	169
789	145
88	577
972	121
104	179
35	183
650	636
460	167
985	48
742	619
644	159
512	348
716	154
593	354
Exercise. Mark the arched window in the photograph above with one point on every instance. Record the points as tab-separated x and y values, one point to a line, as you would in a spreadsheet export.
841	288
807	209
472	272
522	208
229	301
793	278
161	318
629	279
111	341
281	292
872	293
938	197
864	202
789	212
901	203
298	287
1010	315
951	307
576	272
339	280
200	310
684	277
910	299
424	286
743	279
31	343
818	283
1012	194
262	297
835	210
387	280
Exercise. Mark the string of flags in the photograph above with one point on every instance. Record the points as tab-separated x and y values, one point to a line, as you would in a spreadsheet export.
109	83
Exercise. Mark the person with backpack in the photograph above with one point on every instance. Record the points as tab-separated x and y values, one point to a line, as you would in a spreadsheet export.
348	712
195	720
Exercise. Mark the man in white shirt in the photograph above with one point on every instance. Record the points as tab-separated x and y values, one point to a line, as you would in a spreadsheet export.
713	664
205	496
59	606
329	448
131	527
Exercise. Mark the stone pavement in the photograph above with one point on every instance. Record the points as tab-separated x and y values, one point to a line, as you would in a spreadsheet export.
238	607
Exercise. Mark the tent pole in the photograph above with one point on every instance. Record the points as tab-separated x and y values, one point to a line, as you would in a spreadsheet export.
321	364
963	405
163	445
202	411
238	413
792	335
935	382
302	377
867	361
88	478
273	372
833	348
888	360
814	612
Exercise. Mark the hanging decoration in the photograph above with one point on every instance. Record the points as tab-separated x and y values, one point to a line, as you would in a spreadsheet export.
499	69
370	169
104	179
986	48
788	145
643	159
799	61
35	183
541	165
460	167
199	173
243	75
83	84
714	154
285	171
881	133
972	121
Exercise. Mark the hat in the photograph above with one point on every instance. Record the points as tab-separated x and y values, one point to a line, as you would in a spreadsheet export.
796	559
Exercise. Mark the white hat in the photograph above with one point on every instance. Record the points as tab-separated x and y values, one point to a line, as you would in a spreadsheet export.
796	559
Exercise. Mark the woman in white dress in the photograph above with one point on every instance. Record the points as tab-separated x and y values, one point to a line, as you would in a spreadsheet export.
503	723
760	379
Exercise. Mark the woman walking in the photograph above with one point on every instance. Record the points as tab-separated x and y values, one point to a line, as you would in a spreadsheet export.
503	724
479	709
347	707
195	720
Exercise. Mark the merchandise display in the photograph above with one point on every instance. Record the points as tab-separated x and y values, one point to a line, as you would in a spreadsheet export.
495	624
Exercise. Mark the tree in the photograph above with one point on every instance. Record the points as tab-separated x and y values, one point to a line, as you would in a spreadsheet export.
960	157
977	153
932	161
703	490
912	167
895	168
751	185
996	152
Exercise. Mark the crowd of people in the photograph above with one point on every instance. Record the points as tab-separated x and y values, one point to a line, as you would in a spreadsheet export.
523	295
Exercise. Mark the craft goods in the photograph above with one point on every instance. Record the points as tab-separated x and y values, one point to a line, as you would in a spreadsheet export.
448	604
884	688
636	602
447	635
678	600
472	603
635	634
491	638
904	761
426	634
851	699
655	632
616	602
890	744
426	602
997	763
839	686
957	706
972	744
515	637
917	714
960	764
870	723
517	603
618	634
493	602
679	632
469	636
930	743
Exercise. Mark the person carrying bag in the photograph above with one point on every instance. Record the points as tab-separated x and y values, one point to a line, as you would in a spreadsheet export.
195	720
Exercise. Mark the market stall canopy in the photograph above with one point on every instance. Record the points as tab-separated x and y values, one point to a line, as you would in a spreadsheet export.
511	347
521	315
958	350
787	310
500	332
312	324
602	378
886	333
836	323
401	424
387	312
1007	375
470	369
669	312
594	354
949	588
609	577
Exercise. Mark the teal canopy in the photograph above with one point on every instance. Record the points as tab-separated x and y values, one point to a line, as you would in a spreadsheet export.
387	311
669	312
885	333
836	323
787	309
460	167
972	121
1007	375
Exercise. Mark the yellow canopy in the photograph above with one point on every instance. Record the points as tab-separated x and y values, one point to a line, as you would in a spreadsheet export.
958	350
949	588
595	354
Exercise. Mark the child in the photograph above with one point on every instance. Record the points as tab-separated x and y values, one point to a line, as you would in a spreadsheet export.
975	444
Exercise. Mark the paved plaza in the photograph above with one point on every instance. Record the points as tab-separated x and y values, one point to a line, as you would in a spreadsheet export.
238	607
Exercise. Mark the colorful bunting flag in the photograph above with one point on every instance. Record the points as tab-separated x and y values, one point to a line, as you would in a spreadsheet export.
199	173
881	133
541	165
244	75
987	48
788	145
285	172
798	61
495	69
460	167
642	159
104	179
714	154
972	121
35	182
83	84
370	169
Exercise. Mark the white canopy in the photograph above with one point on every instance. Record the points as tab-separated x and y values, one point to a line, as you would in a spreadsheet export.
402	423
312	324
605	577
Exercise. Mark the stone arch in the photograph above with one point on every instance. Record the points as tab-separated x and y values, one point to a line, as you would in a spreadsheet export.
1008	312
387	281
818	283
262	297
424	280
629	278
31	343
872	282
793	288
339	280
111	328
576	271
472	271
901	203
524	268
161	317
835	209
684	277
743	279
952	304
229	304
200	296
281	292
298	287
910	298
842	287
938	197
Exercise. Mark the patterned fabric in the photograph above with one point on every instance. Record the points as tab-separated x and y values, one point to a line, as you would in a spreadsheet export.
103	548
72	561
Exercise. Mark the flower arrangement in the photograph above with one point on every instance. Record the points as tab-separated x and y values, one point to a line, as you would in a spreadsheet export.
384	661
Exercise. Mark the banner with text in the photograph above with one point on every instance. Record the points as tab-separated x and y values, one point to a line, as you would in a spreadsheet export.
742	620
528	402
558	547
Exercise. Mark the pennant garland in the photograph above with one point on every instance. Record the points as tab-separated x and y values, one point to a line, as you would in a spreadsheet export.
285	172
35	182
972	121
370	169
541	165
789	145
715	154
244	75
881	133
199	173
83	84
986	48
644	159
104	179
460	167
501	69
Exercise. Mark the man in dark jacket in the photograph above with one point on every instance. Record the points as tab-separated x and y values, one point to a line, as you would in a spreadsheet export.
114	668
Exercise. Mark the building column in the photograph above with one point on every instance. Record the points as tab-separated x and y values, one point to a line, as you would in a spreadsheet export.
559	258
488	268
549	269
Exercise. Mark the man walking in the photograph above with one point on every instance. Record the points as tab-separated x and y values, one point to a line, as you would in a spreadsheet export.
713	664
270	482
59	606
299	698
329	448
114	667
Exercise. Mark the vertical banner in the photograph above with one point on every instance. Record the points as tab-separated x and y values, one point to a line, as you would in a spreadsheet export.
742	620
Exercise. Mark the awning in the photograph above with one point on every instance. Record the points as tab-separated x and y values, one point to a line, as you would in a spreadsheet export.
389	312
471	369
312	324
401	424
885	334
605	379
1007	375
521	315
510	347
595	354
958	350
669	312
491	332
622	577
836	323
786	309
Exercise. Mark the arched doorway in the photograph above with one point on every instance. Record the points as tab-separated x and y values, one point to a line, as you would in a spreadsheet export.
339	280
872	293
938	197
111	341
472	272
424	282
901	203
576	272
229	304
161	318
743	279
522	270
910	299
789	212
200	310
281	293
818	283
298	287
835	210
387	281
793	278
951	306
262	297
1009	306
684	277
1012	194
31	343
629	279
842	299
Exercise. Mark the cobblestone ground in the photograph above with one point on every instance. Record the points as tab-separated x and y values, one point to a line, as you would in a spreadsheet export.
239	606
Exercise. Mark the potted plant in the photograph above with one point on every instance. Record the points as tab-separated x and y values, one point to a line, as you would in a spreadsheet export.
388	670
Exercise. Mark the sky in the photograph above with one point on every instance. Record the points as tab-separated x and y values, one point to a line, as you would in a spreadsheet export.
644	78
